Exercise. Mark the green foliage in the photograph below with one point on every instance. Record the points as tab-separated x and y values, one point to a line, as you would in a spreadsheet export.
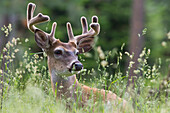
25	81
32	100
26	84
113	18
158	28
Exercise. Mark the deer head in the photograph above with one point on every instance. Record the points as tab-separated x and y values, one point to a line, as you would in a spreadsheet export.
62	57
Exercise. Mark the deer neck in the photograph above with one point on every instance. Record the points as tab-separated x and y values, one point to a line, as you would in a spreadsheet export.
63	82
63	85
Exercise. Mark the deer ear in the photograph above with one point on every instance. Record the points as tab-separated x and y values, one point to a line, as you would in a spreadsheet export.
42	39
85	41
85	44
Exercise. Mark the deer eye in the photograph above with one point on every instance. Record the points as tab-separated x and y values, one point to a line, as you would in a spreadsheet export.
58	52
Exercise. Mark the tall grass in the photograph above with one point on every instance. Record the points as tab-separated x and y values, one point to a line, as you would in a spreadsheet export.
25	82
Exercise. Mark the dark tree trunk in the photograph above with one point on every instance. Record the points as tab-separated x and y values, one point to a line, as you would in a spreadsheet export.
136	42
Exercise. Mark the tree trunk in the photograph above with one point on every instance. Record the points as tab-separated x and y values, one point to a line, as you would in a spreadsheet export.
136	41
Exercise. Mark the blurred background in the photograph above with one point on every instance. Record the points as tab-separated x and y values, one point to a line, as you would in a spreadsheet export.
137	23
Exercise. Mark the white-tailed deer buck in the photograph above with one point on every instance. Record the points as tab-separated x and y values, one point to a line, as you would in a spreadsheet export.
63	60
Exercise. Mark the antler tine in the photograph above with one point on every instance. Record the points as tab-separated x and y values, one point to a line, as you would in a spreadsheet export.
84	25
52	34
30	11
95	28
31	21
70	32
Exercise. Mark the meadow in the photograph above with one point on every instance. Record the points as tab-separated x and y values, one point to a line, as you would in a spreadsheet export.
26	87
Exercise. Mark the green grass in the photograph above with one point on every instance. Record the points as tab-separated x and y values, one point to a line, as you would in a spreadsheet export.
31	100
27	88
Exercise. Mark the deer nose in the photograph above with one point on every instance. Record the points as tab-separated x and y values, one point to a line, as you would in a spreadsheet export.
78	66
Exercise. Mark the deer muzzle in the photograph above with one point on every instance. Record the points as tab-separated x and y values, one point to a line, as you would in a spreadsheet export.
76	66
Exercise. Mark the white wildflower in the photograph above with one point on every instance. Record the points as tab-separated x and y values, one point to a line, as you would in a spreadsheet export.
139	60
20	76
61	87
149	71
16	50
1	71
153	68
18	39
136	71
25	54
149	51
28	66
164	44
99	50
14	79
131	63
104	63
12	45
5	49
120	55
45	55
102	56
8	45
11	60
26	40
10	27
127	53
145	61
143	53
88	55
14	41
36	56
13	55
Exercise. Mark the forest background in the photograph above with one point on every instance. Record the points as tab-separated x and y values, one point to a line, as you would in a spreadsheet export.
127	27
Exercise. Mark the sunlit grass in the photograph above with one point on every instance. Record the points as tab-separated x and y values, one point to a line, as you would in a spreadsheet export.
31	100
25	82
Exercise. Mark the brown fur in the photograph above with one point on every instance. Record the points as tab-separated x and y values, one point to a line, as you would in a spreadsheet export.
64	83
